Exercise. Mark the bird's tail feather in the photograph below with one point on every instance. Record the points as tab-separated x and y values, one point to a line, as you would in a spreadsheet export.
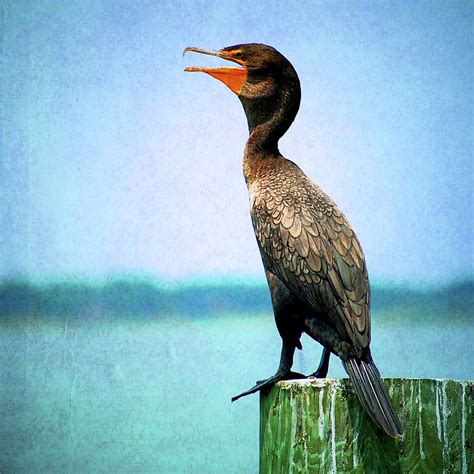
368	385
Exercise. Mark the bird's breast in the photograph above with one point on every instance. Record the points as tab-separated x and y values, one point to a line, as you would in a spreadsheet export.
254	194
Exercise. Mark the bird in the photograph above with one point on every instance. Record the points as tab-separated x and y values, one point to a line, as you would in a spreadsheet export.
313	260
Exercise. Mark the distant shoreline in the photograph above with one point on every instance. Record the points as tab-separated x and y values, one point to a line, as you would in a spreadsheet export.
148	298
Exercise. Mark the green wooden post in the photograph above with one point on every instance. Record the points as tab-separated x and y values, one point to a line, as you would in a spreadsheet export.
319	426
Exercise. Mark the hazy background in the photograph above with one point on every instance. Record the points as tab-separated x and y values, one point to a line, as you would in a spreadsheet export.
114	159
132	298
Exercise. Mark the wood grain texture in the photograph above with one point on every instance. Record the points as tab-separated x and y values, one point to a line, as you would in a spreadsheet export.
319	426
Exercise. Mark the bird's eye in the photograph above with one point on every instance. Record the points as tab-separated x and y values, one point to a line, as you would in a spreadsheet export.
238	54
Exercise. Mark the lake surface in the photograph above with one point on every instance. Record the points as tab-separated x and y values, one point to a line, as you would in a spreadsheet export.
150	396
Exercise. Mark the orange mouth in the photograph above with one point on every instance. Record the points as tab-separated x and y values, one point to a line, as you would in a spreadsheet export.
232	77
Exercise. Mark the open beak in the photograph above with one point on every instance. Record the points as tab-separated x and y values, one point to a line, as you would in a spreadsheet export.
232	77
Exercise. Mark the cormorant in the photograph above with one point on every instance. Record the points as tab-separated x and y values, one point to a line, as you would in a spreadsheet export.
313	260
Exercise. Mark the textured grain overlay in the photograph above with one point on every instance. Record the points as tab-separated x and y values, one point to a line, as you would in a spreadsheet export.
319	426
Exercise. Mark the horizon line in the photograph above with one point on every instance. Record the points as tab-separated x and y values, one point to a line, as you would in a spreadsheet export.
197	281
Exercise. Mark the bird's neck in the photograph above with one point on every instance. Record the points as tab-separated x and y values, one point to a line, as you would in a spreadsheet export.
268	120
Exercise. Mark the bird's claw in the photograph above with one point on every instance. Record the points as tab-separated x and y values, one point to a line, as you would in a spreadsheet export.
319	374
262	384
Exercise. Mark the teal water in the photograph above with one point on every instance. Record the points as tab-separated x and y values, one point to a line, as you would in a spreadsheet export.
154	395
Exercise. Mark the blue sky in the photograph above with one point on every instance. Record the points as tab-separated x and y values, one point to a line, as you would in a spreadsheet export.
113	160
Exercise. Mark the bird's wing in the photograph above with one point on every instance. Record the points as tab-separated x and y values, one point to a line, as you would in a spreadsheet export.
308	243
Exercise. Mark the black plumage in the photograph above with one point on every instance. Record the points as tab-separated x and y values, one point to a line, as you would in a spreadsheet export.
313	261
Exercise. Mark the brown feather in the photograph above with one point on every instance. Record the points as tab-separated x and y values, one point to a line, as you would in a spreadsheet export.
307	239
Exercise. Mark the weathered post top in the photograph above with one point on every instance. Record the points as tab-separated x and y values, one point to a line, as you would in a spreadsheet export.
319	426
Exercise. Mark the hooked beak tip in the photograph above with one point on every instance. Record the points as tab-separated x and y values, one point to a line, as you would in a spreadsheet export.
186	50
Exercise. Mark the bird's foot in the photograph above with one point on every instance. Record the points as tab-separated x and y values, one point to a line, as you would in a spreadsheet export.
319	374
262	384
323	369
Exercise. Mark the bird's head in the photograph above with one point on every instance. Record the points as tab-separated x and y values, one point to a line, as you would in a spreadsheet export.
264	80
